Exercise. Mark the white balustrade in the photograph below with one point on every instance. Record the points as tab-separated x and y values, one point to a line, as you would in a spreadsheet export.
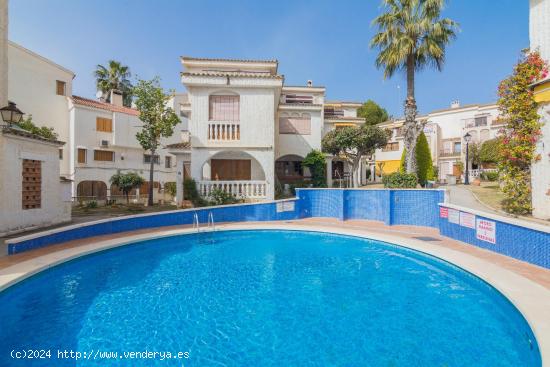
224	131
239	189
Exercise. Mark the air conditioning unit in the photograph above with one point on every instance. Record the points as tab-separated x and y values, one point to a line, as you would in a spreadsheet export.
105	143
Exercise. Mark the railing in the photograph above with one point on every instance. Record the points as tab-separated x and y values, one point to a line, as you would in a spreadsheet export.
239	189
224	131
473	173
292	98
449	154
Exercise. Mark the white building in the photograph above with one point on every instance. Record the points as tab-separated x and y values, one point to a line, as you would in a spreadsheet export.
444	130
31	194
101	137
248	131
539	34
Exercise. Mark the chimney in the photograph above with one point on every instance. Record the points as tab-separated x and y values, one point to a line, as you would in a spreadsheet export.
455	104
310	83
116	97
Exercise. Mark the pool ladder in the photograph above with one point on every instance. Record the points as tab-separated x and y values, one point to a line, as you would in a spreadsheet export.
209	224
196	224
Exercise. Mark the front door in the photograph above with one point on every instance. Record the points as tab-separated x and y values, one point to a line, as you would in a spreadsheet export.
230	169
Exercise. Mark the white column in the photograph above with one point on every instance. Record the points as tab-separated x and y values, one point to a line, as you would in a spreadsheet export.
3	53
179	181
329	171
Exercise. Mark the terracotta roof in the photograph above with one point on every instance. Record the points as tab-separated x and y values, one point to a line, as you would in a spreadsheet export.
182	146
228	60
17	131
104	106
235	74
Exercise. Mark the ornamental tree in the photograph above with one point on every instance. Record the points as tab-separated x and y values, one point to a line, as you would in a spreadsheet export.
489	151
315	161
412	36
158	120
521	132
353	143
372	113
126	182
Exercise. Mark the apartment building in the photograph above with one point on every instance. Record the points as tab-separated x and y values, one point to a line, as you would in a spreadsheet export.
248	131
445	130
539	34
100	137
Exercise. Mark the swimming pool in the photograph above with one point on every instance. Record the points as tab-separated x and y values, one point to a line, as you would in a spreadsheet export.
262	298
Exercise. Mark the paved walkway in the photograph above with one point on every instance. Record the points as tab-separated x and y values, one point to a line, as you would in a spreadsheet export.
459	195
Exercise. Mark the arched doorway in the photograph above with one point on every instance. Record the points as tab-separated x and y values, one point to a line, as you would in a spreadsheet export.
91	190
289	169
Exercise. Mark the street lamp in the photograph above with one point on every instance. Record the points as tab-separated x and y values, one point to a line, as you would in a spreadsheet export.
467	139
11	114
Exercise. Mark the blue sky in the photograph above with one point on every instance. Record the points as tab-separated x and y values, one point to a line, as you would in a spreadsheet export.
326	41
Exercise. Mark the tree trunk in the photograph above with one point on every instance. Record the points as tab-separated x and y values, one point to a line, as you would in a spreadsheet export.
355	175
151	171
412	128
127	193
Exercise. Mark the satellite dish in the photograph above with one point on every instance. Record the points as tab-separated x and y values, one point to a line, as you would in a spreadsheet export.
99	94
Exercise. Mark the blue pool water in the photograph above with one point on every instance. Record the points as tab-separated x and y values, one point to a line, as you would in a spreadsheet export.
263	298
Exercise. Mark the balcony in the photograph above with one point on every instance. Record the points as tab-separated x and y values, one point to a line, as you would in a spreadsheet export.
224	131
446	154
298	99
240	189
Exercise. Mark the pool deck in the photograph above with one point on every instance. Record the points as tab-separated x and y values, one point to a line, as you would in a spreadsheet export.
526	285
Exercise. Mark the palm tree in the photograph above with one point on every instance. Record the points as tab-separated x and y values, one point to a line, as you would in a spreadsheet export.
412	35
114	76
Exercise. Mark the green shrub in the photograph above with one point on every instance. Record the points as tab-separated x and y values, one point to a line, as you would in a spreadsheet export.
400	180
220	197
489	176
489	152
190	193
315	161
43	131
92	204
170	188
424	165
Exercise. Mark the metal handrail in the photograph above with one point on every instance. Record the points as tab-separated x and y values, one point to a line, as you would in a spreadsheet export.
196	224
211	221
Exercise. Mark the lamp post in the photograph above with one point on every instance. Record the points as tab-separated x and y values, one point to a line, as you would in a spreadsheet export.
467	139
11	114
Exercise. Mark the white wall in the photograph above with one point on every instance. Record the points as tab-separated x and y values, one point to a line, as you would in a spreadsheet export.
540	176
53	208
3	53
297	144
539	27
257	116
128	152
32	86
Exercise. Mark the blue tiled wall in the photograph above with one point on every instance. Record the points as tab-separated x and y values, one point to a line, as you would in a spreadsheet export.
235	213
411	207
392	207
519	242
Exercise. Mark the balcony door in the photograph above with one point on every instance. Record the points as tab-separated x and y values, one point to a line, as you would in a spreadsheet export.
230	169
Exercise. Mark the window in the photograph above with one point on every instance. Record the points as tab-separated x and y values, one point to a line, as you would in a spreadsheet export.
295	125
481	121
147	158
60	153
391	147
104	155
167	162
457	147
294	98
224	108
32	184
104	124
60	87
81	155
